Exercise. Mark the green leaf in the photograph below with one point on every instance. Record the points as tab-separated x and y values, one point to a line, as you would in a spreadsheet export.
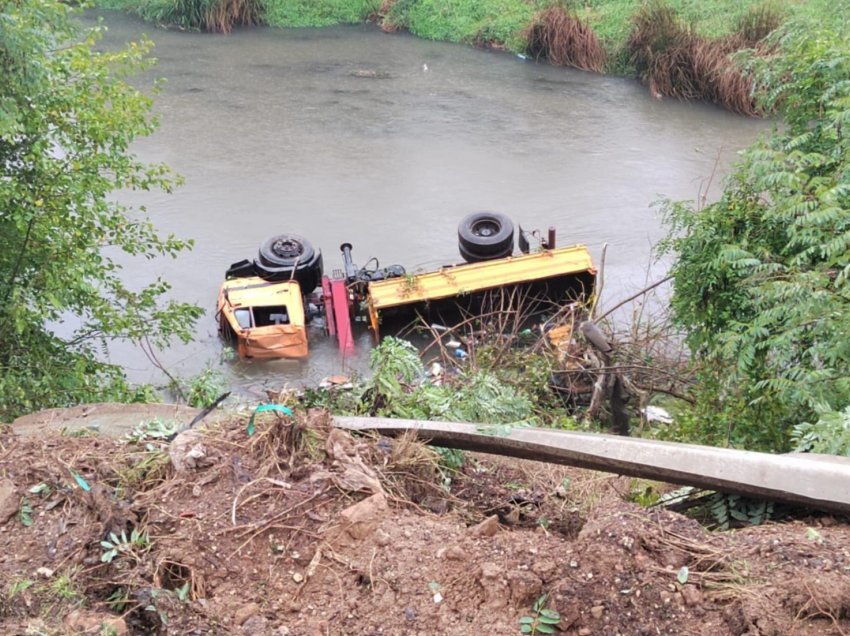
526	620
550	615
525	628
542	628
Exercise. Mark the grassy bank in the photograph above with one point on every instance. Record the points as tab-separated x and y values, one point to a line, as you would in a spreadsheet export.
680	48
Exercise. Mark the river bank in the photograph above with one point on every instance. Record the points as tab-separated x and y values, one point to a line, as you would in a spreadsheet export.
678	48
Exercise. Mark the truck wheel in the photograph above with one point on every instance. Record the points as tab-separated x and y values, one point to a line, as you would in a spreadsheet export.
477	258
286	250
485	234
308	274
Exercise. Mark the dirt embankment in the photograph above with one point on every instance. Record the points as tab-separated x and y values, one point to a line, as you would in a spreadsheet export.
303	530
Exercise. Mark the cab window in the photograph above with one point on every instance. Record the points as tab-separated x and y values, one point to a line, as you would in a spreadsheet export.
243	317
264	316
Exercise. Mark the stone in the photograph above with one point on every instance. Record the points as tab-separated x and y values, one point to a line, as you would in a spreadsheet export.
9	500
543	567
487	528
361	519
382	538
455	553
597	611
245	612
187	452
691	595
255	625
88	622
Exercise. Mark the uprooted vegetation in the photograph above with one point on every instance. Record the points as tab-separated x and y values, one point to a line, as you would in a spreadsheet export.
302	529
516	363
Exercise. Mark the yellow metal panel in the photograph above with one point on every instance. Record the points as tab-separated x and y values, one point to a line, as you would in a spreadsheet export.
473	277
256	292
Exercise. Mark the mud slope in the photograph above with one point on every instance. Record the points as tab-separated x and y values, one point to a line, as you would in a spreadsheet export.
303	530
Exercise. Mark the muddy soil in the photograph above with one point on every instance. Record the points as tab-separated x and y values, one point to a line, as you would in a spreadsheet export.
299	529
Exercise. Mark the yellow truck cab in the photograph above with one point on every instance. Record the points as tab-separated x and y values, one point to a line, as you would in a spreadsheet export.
263	319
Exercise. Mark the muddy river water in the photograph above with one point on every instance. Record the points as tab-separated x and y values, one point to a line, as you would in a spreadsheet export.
386	141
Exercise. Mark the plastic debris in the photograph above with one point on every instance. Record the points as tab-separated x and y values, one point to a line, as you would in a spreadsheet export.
266	407
657	414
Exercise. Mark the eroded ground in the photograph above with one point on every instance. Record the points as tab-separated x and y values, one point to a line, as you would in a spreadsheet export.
303	530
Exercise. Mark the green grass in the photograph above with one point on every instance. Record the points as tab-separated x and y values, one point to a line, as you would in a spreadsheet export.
502	22
469	21
315	13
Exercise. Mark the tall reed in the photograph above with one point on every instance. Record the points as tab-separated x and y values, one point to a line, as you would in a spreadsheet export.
564	40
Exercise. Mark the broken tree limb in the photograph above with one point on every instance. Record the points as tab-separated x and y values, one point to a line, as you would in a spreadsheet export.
818	481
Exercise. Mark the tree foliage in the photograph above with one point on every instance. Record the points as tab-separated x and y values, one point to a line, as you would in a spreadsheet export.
67	119
762	278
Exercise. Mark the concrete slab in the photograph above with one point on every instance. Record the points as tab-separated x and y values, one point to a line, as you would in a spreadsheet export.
107	418
817	481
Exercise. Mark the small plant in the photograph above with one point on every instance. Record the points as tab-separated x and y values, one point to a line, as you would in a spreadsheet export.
205	387
727	508
64	588
155	429
829	435
25	512
410	284
182	592
643	493
137	543
19	586
544	621
41	489
119	600
150	468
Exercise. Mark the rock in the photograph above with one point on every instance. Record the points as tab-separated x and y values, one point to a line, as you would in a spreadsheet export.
44	572
245	612
487	528
525	587
187	452
455	553
490	570
543	568
382	538
691	595
255	625
584	631
298	577
597	611
9	500
361	519
87	622
409	614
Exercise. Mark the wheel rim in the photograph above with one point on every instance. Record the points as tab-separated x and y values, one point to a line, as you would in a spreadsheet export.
486	228
287	248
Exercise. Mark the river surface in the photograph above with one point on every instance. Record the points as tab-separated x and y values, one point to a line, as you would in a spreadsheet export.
385	141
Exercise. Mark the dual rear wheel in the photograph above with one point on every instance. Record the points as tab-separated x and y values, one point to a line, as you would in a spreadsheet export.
483	236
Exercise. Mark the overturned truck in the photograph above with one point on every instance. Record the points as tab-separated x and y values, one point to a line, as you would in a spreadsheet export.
265	305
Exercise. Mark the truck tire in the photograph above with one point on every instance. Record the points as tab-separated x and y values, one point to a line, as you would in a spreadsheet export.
286	250
477	258
308	275
486	234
